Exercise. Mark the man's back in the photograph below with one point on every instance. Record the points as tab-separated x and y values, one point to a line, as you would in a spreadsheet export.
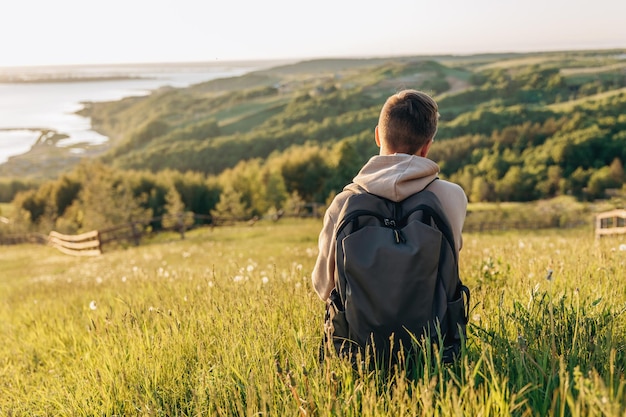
406	128
394	177
397	277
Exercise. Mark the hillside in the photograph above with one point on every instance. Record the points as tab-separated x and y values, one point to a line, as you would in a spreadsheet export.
514	127
520	126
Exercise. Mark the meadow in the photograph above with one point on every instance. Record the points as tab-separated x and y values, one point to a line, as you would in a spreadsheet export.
226	323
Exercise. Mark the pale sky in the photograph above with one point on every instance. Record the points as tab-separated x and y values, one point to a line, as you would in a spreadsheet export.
50	32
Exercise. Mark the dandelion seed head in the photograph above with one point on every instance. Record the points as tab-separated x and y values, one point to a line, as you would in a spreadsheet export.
92	305
99	280
238	278
211	284
124	278
622	247
265	280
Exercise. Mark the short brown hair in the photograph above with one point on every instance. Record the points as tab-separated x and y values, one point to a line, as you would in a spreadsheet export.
408	120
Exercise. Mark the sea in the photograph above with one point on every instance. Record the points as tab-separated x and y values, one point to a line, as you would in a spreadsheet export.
37	99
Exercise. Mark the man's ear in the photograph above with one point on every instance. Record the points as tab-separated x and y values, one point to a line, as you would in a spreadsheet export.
376	136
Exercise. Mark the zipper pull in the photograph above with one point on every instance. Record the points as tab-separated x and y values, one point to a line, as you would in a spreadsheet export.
399	236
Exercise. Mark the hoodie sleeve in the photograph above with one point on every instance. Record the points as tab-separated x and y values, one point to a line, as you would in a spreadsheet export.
323	275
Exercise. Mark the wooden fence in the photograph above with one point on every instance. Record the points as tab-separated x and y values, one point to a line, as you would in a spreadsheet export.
85	244
477	227
611	223
92	243
23	238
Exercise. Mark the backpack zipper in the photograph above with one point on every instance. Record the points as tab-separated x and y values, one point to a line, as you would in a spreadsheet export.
387	222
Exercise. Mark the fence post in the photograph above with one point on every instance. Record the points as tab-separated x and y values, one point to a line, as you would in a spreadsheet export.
181	225
99	241
135	233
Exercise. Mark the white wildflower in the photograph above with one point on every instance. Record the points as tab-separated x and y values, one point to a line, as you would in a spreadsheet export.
265	280
92	305
238	278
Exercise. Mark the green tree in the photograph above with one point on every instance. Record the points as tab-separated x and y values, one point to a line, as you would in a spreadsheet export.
230	206
306	173
480	191
108	199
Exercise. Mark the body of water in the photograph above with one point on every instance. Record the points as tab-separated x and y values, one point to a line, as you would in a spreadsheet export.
27	109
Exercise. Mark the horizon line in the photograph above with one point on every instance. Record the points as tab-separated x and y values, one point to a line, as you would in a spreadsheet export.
295	59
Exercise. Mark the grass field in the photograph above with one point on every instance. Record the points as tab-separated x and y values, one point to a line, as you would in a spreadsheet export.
226	323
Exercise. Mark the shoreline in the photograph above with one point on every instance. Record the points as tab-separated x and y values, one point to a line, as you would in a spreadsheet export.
50	147
5	79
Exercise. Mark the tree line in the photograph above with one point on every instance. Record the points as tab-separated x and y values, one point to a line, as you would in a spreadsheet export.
514	133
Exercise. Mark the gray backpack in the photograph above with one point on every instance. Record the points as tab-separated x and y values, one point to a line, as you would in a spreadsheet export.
397	281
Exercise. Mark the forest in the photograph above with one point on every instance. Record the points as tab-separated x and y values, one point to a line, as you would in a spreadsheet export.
513	128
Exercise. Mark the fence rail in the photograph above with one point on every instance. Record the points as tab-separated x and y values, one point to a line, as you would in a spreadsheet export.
474	227
91	243
19	239
85	244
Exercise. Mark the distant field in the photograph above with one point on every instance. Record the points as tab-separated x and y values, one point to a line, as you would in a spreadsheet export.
569	105
519	62
225	322
593	70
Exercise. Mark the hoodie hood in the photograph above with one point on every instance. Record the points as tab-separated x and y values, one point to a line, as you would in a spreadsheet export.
396	177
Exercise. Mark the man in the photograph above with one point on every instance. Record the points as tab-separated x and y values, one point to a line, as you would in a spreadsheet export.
406	128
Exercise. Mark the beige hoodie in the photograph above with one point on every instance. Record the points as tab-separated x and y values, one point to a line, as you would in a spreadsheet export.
394	177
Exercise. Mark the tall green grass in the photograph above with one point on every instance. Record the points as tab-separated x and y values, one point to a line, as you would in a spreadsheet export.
226	323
